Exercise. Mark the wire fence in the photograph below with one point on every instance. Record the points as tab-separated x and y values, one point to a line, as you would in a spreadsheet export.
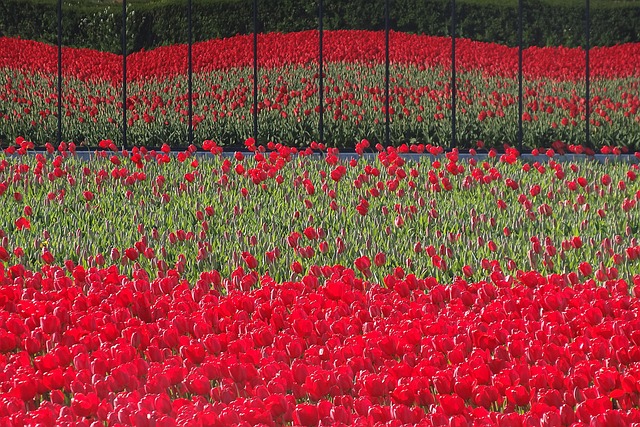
321	104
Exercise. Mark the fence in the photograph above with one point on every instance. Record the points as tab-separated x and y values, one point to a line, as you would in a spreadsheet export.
321	73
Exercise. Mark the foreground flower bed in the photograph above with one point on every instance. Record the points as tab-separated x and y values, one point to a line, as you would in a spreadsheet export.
354	98
292	287
329	349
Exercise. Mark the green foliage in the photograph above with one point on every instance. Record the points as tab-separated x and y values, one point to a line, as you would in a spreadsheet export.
162	22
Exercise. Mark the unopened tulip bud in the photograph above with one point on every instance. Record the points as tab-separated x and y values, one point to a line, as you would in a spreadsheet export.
531	255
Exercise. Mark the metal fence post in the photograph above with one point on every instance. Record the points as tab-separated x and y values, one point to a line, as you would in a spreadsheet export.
587	74
190	71
59	71
387	118
520	47
453	74
124	73
255	70
321	81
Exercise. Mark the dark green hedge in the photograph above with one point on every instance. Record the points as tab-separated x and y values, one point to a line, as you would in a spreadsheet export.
164	21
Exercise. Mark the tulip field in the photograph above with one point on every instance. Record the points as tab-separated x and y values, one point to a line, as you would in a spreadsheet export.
291	286
289	283
354	92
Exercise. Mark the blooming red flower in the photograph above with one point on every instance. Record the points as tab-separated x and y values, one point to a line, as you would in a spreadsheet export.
4	255
362	263
22	223
296	267
451	404
250	260
85	405
131	253
305	414
47	257
585	269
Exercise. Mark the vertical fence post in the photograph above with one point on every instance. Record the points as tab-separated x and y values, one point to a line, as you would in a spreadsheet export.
124	73
587	74
59	72
387	117
255	70
321	81
520	47
190	71
453	74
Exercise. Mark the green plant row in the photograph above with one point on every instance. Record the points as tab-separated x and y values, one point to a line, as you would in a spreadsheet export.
155	23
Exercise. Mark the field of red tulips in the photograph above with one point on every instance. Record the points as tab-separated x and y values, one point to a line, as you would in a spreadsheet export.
294	287
420	102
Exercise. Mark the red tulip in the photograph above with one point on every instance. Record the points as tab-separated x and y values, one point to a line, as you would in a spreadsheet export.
47	257
296	267
250	260
23	223
380	259
131	254
467	270
451	404
363	263
585	269
305	414
4	255
85	405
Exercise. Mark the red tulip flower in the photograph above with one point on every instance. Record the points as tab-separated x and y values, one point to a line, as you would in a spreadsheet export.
22	223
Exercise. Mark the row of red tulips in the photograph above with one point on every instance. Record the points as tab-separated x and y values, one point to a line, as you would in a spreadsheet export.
276	50
87	347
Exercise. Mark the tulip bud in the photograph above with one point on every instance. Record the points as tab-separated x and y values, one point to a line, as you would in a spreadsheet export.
467	271
531	255
296	267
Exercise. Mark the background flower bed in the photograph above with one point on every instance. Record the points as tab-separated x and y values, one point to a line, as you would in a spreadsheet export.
354	105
